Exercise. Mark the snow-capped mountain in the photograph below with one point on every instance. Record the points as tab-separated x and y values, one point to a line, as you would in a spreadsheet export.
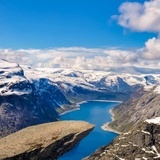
99	79
24	102
73	82
12	80
30	96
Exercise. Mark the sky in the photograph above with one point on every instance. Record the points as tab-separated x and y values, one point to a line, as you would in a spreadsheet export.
58	33
64	23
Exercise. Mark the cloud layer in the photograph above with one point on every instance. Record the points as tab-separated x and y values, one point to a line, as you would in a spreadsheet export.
140	17
86	58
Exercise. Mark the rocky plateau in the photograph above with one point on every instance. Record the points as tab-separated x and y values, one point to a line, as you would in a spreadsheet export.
45	141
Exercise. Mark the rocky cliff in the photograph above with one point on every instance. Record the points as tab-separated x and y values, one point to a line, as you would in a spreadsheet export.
45	141
141	105
141	143
24	102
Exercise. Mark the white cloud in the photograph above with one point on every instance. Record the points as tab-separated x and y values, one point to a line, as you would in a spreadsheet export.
122	56
152	49
73	57
86	58
140	17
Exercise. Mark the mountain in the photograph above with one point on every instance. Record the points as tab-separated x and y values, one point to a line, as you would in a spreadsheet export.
45	141
24	102
141	105
141	142
30	96
91	84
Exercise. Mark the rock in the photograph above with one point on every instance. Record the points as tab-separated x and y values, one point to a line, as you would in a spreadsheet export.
142	105
141	142
24	102
45	141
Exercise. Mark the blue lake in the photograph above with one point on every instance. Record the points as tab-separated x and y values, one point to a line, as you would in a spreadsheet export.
97	113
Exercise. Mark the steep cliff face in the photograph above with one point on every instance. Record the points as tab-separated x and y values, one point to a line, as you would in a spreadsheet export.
45	141
141	142
142	105
23	102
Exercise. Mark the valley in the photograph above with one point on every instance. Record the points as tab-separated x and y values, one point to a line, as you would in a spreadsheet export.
79	80
97	113
31	96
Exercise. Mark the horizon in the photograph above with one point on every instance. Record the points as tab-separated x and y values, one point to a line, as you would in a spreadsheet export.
83	35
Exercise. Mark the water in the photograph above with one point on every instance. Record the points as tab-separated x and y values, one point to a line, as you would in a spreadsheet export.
97	113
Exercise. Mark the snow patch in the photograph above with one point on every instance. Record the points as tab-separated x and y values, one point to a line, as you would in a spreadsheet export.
150	152
155	149
145	132
157	90
153	120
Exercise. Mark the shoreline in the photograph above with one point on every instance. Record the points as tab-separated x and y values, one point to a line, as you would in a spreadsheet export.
112	114
96	100
69	111
106	101
82	102
106	126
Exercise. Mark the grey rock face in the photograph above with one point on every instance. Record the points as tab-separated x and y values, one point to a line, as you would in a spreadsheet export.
45	141
142	105
24	103
142	142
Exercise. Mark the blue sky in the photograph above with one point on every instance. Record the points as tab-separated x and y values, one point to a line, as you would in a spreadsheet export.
65	23
81	34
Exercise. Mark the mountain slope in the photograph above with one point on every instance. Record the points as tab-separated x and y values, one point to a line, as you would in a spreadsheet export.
141	142
141	105
24	103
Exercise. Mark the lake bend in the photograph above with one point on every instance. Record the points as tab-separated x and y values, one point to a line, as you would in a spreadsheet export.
97	113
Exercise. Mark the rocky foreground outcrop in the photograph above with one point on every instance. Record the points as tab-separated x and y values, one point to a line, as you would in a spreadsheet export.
45	141
140	143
